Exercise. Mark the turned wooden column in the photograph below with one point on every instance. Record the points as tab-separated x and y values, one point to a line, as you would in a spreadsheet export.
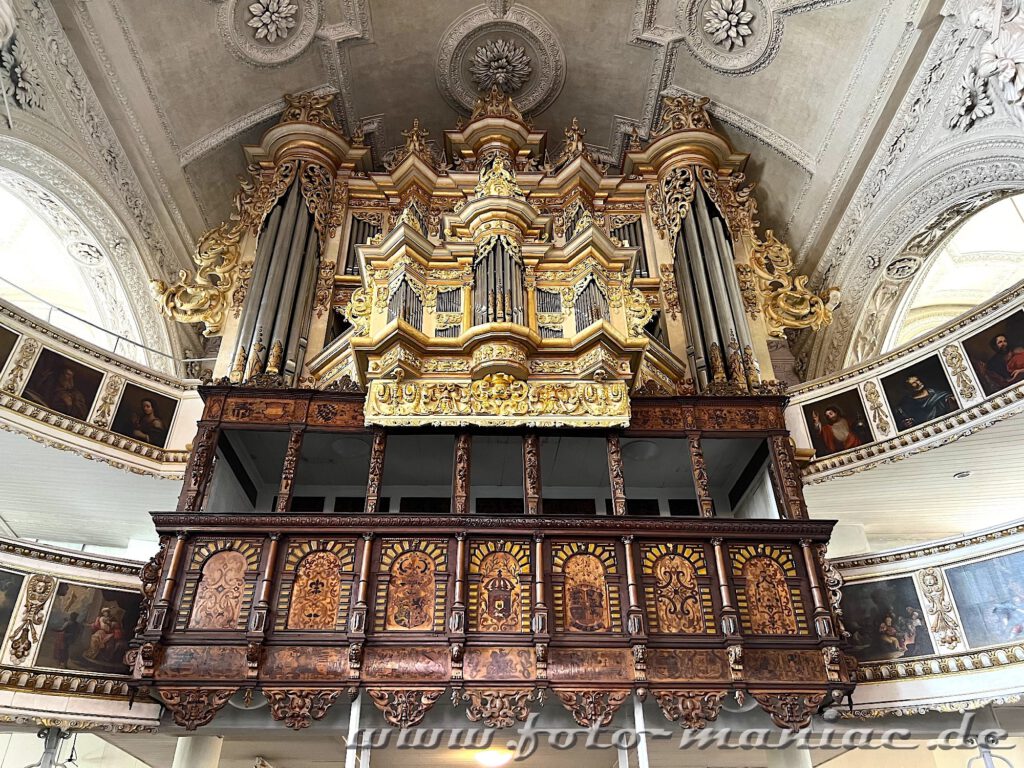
158	616
822	613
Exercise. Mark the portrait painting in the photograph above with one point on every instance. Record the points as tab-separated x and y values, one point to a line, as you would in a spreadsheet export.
144	416
837	423
919	393
989	595
10	589
885	620
89	628
997	354
63	385
8	339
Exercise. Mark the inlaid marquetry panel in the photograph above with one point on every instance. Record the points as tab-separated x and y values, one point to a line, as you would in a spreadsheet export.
586	587
412	585
499	586
219	584
677	588
316	584
768	590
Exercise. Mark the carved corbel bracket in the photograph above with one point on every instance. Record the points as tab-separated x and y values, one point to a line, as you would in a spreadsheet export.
592	708
195	707
691	709
404	707
496	707
789	710
298	708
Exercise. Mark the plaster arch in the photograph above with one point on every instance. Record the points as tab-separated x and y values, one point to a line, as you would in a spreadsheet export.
40	176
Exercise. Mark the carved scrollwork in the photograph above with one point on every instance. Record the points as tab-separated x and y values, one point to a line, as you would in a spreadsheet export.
592	708
939	607
638	312
958	370
404	707
691	709
298	708
149	575
789	710
669	291
873	396
834	587
786	300
204	297
26	634
496	708
195	707
22	360
358	311
677	191
105	410
682	113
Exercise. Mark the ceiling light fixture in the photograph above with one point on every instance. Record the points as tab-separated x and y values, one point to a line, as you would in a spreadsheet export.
493	758
962	475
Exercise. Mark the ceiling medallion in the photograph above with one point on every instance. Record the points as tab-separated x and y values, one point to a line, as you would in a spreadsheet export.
501	44
269	32
734	37
501	63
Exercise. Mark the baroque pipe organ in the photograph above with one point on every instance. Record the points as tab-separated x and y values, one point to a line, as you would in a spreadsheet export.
495	423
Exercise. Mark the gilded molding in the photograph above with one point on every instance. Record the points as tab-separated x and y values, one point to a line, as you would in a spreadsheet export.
669	291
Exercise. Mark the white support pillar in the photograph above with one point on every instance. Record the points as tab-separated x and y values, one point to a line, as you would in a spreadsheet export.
789	757
197	752
640	723
351	748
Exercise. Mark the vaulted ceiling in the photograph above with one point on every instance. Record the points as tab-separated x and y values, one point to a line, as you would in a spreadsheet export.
799	84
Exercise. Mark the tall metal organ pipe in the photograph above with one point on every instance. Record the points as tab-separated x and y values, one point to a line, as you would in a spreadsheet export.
261	265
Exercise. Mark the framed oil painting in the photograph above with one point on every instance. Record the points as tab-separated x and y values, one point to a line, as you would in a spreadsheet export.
8	339
989	595
919	393
837	423
144	415
10	589
885	620
88	629
997	354
63	385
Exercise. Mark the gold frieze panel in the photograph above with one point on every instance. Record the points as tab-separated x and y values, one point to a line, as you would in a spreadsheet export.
497	400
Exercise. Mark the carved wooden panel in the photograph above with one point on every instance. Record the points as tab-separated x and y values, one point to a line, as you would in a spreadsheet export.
412	585
590	664
499	586
778	665
337	413
412	664
768	591
316	584
219	584
264	411
304	663
679	664
677	589
586	593
197	662
497	664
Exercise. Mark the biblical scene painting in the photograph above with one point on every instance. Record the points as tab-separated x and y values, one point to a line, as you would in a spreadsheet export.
63	385
919	394
89	628
144	416
10	589
885	620
989	595
997	354
8	339
837	423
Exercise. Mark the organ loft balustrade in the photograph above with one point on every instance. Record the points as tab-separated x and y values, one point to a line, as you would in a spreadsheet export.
495	421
